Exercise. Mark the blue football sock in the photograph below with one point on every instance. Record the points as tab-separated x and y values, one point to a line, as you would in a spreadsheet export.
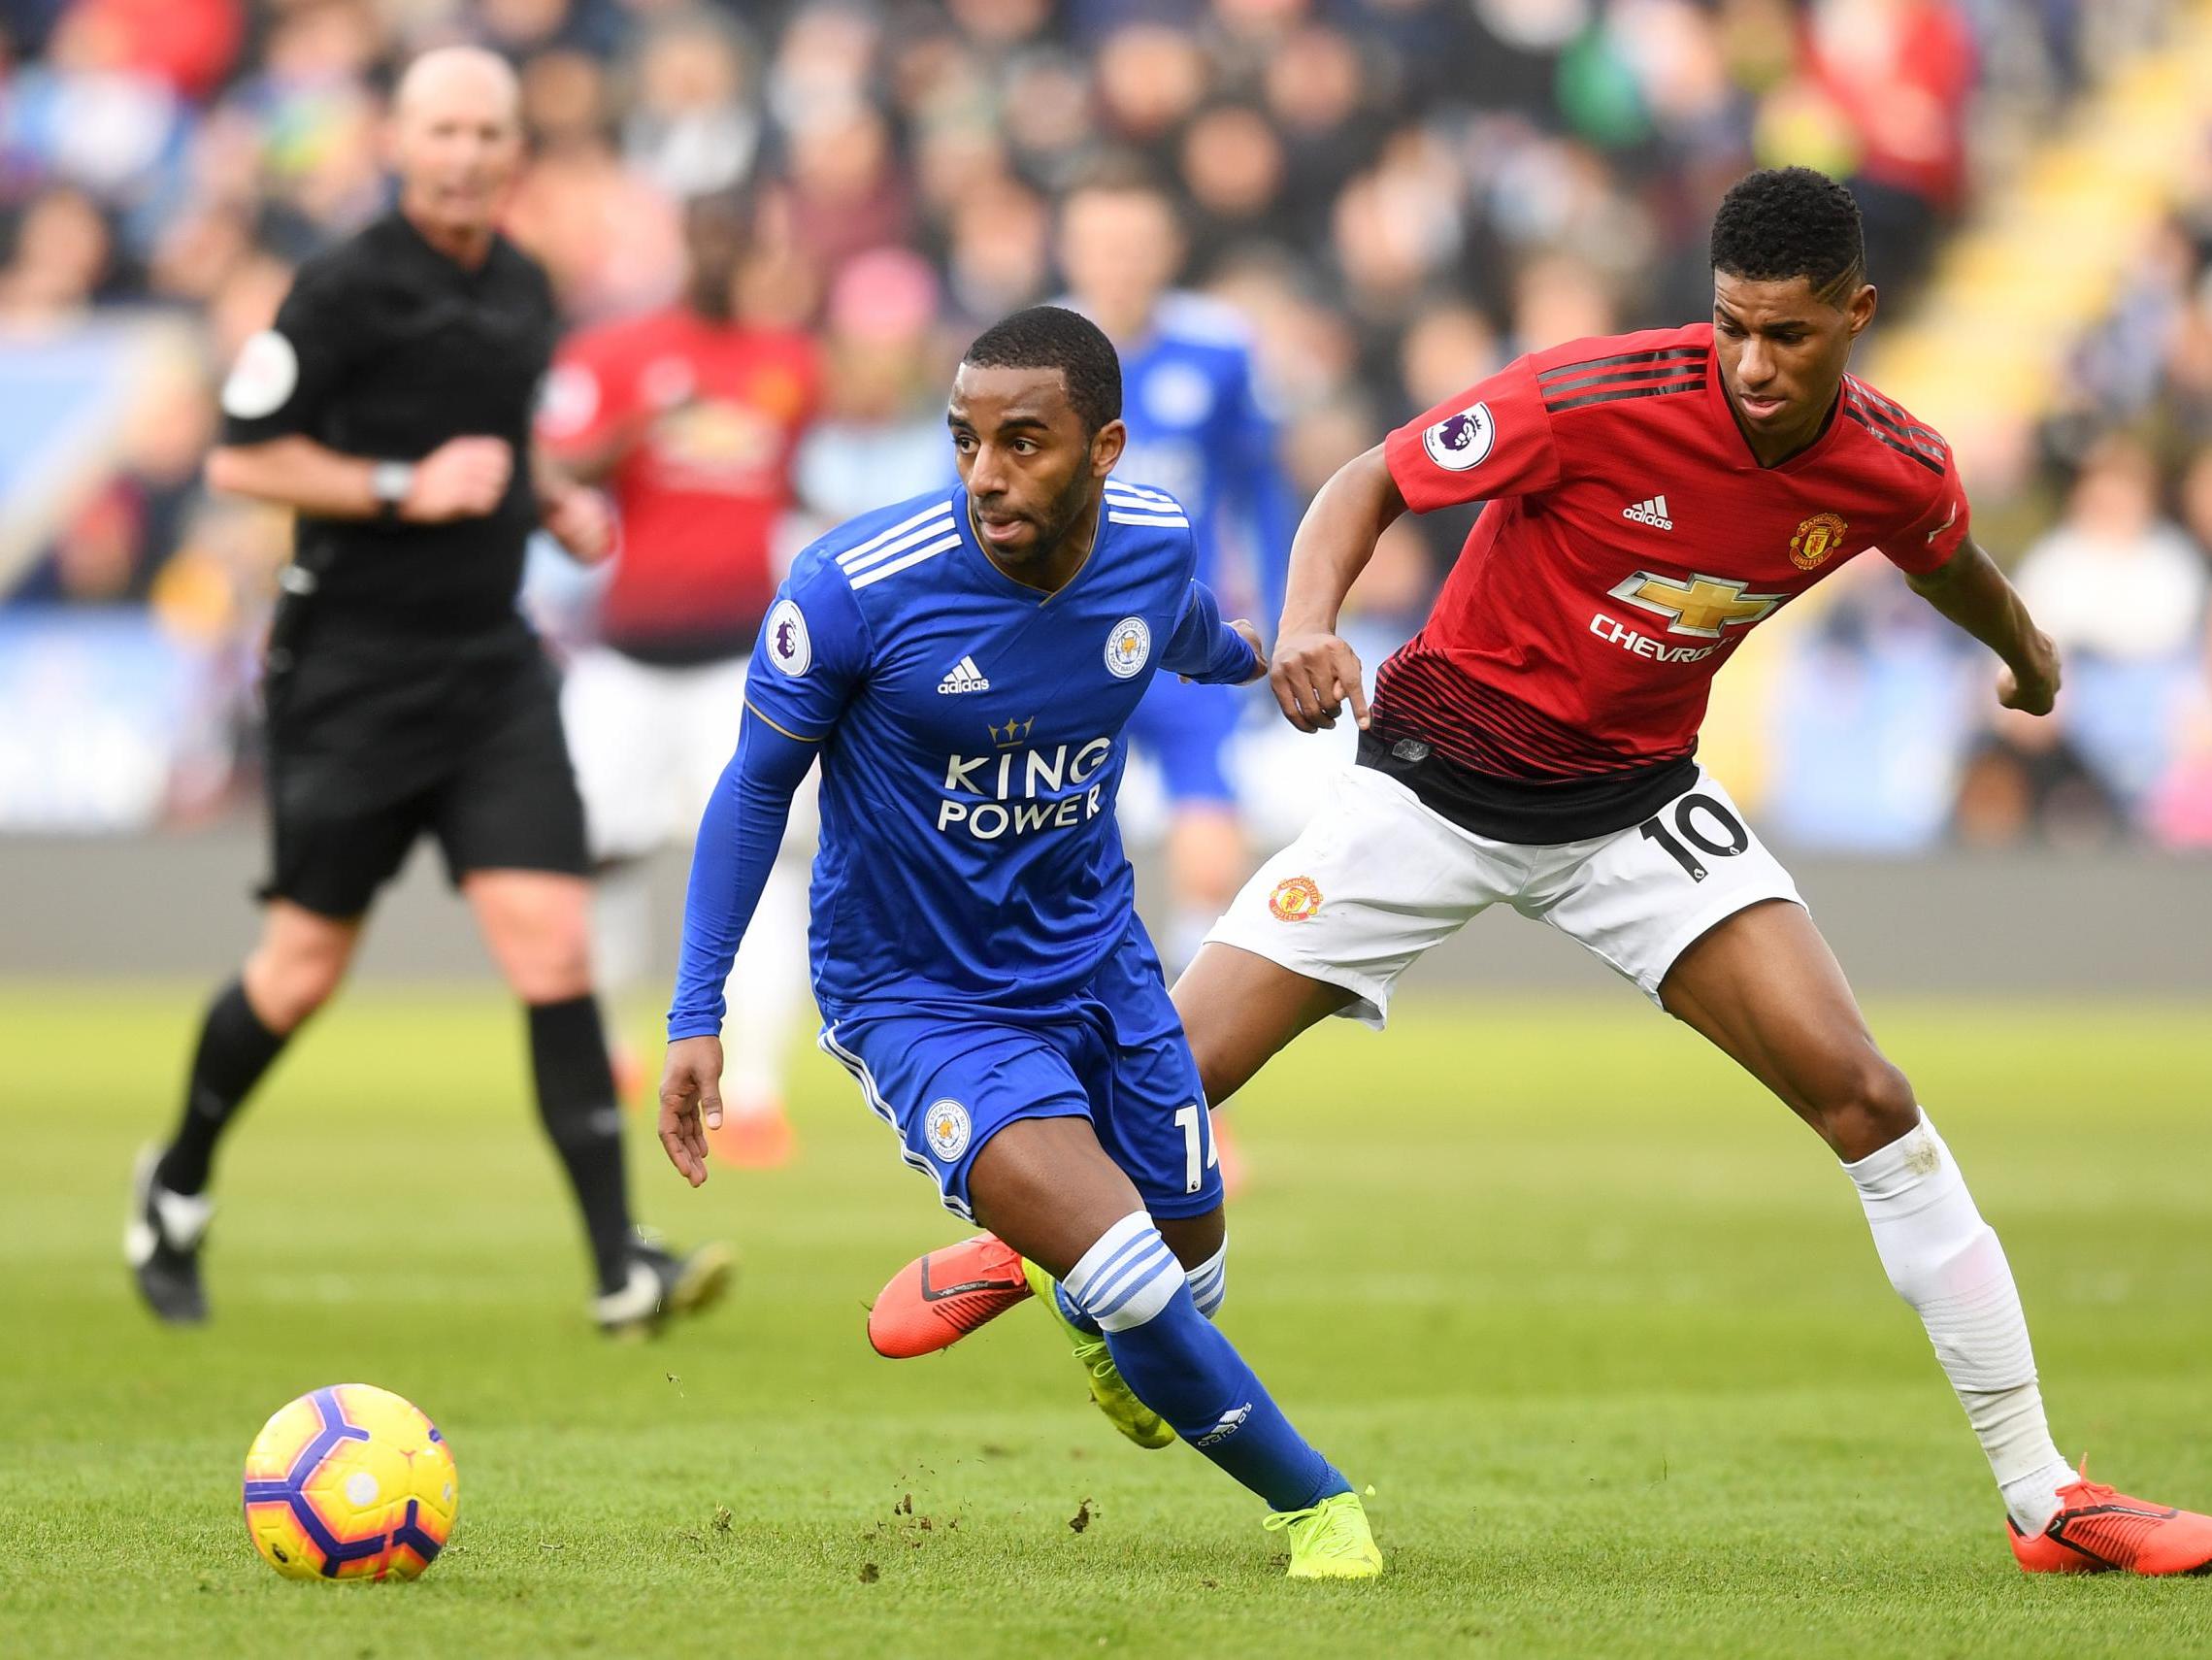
1188	1372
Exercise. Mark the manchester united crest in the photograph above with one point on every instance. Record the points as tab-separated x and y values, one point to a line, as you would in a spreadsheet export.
1816	539
1294	899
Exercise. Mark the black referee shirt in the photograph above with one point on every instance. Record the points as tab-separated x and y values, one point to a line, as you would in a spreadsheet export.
385	348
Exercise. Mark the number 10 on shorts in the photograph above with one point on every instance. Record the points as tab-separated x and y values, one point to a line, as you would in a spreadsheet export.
1199	1152
1732	838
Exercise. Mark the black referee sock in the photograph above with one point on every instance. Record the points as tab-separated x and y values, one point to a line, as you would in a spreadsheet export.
235	1051
575	1097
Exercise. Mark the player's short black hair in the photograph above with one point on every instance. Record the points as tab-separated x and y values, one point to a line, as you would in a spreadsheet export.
1790	221
1054	337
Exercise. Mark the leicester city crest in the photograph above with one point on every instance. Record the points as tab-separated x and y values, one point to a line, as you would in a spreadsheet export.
947	1128
1128	645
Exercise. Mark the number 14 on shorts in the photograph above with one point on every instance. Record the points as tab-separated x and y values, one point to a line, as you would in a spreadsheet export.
1200	1155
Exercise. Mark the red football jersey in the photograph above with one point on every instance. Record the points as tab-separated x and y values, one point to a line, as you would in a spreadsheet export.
708	417
1631	541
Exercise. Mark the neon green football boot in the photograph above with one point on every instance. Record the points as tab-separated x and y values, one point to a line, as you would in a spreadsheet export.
1331	1541
1114	1397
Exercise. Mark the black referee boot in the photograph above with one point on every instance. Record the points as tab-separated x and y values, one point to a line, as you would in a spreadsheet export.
161	1242
663	1284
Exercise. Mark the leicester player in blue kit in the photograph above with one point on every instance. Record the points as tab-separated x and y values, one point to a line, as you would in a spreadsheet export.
963	665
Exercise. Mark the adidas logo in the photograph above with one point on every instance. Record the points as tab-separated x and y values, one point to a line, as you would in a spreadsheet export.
964	676
1231	1422
1651	510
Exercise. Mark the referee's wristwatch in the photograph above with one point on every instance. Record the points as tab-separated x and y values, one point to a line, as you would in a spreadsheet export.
389	483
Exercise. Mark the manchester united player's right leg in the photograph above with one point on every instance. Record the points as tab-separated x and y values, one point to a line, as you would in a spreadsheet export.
1240	1010
1763	986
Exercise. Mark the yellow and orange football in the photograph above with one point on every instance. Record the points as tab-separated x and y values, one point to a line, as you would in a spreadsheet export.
349	1483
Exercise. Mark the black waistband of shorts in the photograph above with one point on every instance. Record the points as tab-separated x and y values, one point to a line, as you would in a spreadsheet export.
378	644
1524	811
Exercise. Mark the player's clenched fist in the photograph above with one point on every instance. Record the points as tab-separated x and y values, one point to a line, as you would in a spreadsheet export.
691	1103
1313	674
2033	686
463	477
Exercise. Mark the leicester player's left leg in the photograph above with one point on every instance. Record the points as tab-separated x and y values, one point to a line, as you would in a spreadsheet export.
1149	1109
1047	1188
1764	988
1016	1124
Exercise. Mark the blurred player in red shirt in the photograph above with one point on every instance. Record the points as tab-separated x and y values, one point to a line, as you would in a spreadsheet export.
691	417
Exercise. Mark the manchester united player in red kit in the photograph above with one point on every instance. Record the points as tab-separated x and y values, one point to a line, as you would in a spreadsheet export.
691	416
1652	498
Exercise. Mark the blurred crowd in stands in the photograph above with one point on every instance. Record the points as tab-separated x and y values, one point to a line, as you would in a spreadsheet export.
1399	194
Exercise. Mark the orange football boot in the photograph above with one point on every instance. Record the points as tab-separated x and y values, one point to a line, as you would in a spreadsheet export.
942	1295
2098	1531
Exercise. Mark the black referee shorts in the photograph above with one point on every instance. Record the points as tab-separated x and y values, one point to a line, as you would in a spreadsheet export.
373	744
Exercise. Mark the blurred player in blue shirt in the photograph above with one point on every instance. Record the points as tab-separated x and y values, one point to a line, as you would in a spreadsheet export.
1195	431
964	664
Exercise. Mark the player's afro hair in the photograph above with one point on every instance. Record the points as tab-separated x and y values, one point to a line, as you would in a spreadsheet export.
1052	337
1790	221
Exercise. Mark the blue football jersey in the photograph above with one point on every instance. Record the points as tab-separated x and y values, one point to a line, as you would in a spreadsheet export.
1197	431
971	733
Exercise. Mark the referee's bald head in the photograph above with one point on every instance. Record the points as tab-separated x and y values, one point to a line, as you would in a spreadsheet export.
456	139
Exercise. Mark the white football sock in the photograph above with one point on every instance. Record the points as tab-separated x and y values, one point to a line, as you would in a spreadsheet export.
767	984
1127	1276
1210	1281
1946	1262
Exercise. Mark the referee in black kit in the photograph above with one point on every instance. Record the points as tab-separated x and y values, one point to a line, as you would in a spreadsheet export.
391	407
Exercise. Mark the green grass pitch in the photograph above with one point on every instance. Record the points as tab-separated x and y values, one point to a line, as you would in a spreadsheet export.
1600	1322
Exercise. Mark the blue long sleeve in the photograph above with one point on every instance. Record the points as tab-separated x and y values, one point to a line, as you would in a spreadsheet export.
738	841
1205	648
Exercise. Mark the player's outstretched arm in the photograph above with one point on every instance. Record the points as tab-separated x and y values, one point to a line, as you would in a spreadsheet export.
737	842
1314	671
1971	591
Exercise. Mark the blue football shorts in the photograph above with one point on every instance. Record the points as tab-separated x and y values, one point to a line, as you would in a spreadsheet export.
949	1079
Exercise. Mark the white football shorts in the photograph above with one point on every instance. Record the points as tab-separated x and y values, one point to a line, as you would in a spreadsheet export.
648	745
1376	879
